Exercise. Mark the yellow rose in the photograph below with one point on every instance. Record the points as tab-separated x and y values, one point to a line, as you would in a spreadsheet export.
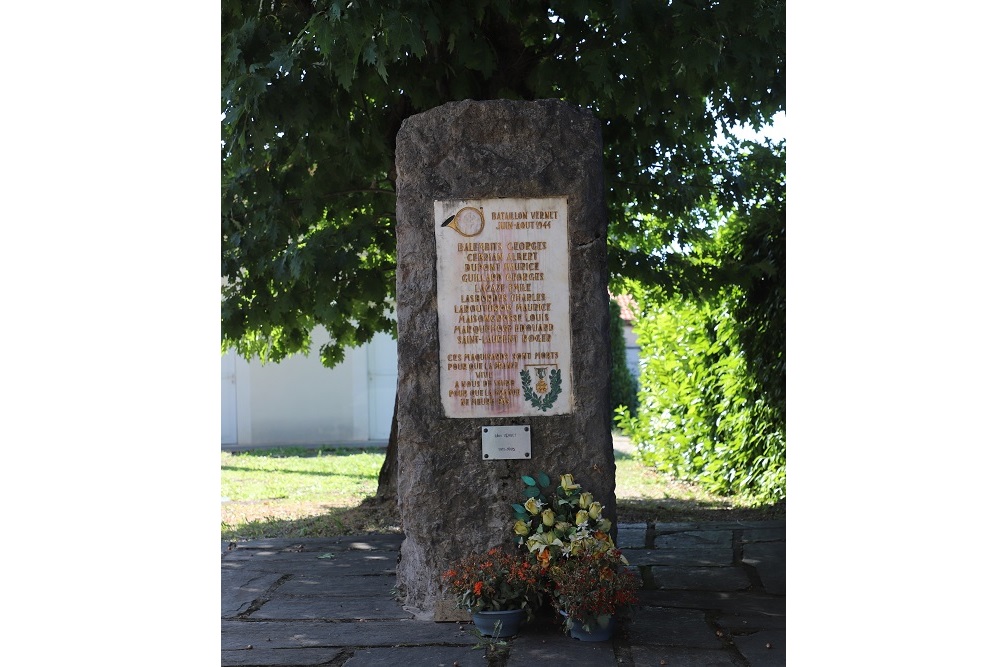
540	541
580	545
520	527
595	510
585	499
567	482
533	506
582	517
548	517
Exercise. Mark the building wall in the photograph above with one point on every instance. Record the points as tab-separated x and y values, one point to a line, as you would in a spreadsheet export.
300	402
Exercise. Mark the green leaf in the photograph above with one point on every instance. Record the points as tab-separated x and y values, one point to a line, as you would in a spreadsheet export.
543	479
518	508
532	492
530	481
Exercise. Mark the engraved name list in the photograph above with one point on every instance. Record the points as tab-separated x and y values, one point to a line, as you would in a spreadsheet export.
503	307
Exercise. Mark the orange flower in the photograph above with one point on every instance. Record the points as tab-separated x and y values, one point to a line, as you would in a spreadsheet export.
477	588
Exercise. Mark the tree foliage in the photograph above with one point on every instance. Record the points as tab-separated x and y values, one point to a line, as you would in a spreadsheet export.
314	93
712	397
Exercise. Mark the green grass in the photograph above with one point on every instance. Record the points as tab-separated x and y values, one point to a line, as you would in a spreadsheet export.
337	477
295	492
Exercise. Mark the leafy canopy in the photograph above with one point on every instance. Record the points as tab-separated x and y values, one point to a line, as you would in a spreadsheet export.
313	94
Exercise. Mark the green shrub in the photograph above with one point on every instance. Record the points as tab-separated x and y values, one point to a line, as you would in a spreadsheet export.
701	415
624	387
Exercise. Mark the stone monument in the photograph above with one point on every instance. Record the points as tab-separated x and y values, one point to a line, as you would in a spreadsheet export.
502	303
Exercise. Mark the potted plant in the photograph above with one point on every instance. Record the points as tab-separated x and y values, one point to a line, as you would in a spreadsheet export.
565	531
590	586
499	588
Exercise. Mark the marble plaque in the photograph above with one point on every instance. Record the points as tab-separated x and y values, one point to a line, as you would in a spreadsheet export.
503	307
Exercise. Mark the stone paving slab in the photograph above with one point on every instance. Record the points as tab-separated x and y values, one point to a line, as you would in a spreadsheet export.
417	656
241	588
680	656
717	525
755	648
338	564
750	623
552	647
314	634
768	559
282	657
331	553
330	608
374	585
764	535
736	603
652	626
729	578
633	537
690	539
709	555
386	542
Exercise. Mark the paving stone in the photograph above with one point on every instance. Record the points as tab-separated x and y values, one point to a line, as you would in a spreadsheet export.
727	578
555	648
632	537
746	624
338	563
305	634
708	555
671	627
694	538
754	648
417	655
241	588
768	559
282	657
737	603
376	585
717	525
387	542
764	535
330	608
679	656
632	526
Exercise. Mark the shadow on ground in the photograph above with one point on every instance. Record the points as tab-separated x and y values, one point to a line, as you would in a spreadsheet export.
382	516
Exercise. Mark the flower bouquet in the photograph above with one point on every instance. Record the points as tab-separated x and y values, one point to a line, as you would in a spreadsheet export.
566	533
494	581
561	522
590	586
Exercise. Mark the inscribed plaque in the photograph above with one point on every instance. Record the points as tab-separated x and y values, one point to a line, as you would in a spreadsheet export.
503	307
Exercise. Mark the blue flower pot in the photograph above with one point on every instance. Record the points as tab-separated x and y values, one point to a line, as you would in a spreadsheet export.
509	622
596	632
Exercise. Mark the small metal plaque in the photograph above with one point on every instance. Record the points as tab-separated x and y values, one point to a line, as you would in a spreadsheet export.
506	442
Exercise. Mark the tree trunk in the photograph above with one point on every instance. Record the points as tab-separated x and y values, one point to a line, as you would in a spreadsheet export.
388	475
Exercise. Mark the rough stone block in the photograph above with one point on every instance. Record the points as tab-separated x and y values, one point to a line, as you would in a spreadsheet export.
453	502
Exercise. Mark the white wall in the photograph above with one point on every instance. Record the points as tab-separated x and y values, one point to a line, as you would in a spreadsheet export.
300	402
